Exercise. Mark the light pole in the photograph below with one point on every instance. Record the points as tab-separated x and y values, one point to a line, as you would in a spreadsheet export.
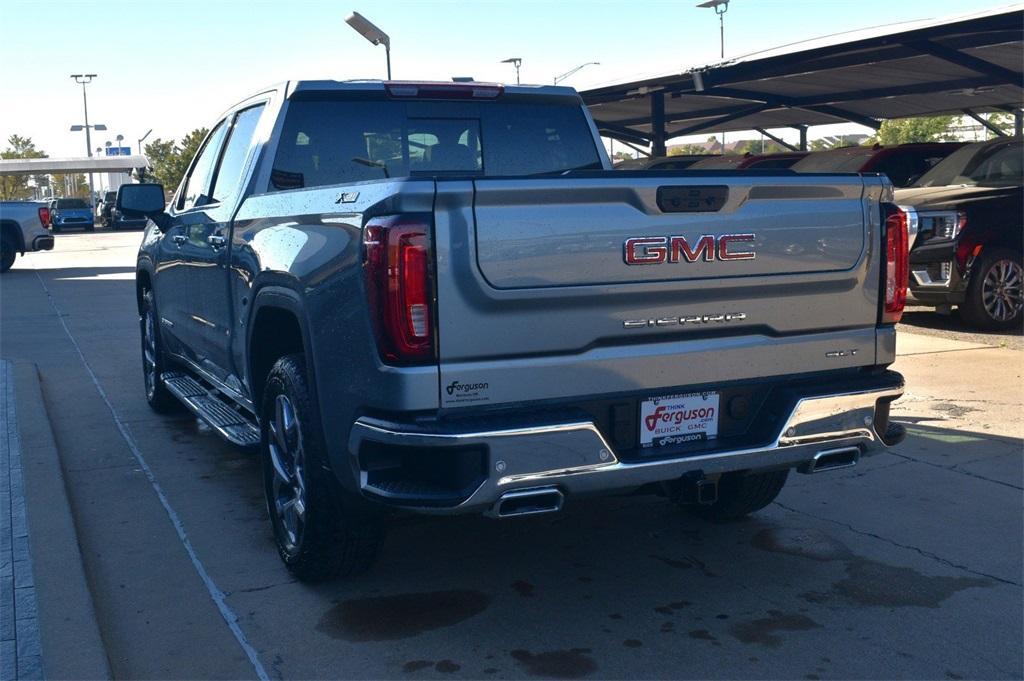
143	139
568	73
84	79
365	28
720	7
516	62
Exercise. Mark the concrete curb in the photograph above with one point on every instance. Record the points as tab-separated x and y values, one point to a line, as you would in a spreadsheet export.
72	647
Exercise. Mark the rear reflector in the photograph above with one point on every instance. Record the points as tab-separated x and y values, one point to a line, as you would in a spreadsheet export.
444	90
897	264
399	285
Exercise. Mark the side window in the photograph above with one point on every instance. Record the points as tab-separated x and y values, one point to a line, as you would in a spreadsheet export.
232	163
198	183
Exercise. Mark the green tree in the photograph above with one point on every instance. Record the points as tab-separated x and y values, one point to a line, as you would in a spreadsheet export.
13	187
922	129
169	160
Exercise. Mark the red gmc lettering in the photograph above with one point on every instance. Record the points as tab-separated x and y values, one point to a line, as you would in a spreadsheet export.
705	245
723	247
645	250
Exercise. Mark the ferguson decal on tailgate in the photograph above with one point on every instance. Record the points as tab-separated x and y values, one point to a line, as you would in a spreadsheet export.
678	418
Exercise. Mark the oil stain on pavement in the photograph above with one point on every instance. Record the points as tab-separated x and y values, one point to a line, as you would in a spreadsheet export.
574	663
386	618
867	582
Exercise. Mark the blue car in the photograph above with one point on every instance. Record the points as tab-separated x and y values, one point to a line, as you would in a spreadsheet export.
71	213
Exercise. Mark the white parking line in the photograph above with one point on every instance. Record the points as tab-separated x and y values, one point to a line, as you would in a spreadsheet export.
216	594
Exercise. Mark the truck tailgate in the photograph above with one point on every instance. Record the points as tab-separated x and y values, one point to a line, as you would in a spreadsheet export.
536	298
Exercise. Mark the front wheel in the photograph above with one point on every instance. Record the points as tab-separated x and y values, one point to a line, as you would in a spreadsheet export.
740	494
158	397
994	296
320	531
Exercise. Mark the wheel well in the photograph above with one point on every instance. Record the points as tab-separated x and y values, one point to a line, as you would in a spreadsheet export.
11	230
275	333
142	283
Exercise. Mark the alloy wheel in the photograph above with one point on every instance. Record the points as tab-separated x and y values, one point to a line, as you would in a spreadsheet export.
1001	290
288	488
149	353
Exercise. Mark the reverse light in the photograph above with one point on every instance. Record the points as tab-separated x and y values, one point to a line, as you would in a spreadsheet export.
399	284
897	264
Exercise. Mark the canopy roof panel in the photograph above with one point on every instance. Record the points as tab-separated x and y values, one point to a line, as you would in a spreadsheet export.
913	69
85	164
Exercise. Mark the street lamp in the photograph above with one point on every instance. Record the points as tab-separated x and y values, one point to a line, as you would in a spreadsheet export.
141	140
720	7
84	79
516	62
568	73
365	28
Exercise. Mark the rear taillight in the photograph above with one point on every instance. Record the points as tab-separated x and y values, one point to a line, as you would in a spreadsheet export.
399	284
44	217
897	264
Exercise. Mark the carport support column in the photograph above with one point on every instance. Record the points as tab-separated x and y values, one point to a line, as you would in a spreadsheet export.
657	124
1018	122
803	138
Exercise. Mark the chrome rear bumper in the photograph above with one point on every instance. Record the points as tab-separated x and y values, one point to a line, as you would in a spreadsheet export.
575	458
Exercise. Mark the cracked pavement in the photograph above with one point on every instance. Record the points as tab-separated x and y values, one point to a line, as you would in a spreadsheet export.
906	566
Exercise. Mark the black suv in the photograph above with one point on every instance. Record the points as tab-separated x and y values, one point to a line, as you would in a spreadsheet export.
968	247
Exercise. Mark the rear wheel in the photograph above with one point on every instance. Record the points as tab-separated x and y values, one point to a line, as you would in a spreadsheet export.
994	295
320	531
158	397
740	494
8	252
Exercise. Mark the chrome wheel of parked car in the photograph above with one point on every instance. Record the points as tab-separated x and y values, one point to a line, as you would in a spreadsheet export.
286	459
158	397
149	353
1001	290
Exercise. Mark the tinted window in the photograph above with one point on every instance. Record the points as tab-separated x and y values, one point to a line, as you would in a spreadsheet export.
71	203
198	182
984	163
232	163
331	140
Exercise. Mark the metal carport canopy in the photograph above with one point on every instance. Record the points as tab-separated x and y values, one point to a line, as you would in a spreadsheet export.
45	166
968	64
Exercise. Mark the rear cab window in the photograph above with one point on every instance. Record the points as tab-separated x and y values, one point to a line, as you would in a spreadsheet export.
331	138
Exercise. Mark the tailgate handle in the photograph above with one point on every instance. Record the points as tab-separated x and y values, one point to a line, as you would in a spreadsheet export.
692	198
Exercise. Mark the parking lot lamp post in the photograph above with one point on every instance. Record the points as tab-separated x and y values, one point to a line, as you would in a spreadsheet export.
559	79
84	79
516	62
720	7
365	28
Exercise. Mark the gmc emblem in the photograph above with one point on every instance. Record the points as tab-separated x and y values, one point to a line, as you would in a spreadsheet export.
655	250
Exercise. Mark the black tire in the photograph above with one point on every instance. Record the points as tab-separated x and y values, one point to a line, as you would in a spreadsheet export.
55	228
8	252
154	364
91	228
741	494
335	534
1003	311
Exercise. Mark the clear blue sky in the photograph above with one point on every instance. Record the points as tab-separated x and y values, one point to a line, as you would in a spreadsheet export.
174	65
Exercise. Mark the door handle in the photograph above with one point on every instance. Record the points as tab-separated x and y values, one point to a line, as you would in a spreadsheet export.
216	240
179	239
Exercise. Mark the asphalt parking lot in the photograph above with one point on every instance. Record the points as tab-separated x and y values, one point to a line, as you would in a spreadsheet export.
907	566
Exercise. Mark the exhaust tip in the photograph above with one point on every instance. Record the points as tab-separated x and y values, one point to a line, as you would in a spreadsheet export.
529	502
831	459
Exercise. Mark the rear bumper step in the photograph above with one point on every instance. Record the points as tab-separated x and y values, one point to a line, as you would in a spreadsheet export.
821	432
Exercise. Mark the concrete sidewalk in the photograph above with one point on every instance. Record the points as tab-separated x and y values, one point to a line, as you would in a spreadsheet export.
48	627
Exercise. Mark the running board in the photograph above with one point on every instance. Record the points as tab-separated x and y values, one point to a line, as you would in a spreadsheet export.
207	405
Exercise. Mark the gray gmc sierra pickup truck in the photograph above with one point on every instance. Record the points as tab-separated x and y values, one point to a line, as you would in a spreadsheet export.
439	297
24	226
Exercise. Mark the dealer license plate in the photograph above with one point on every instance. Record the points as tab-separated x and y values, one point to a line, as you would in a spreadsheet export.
677	419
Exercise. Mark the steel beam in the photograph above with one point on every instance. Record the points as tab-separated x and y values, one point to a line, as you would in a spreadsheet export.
969	61
991	126
658	124
778	140
709	125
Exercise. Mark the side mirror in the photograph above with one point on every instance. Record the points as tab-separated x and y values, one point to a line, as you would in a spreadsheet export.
140	200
